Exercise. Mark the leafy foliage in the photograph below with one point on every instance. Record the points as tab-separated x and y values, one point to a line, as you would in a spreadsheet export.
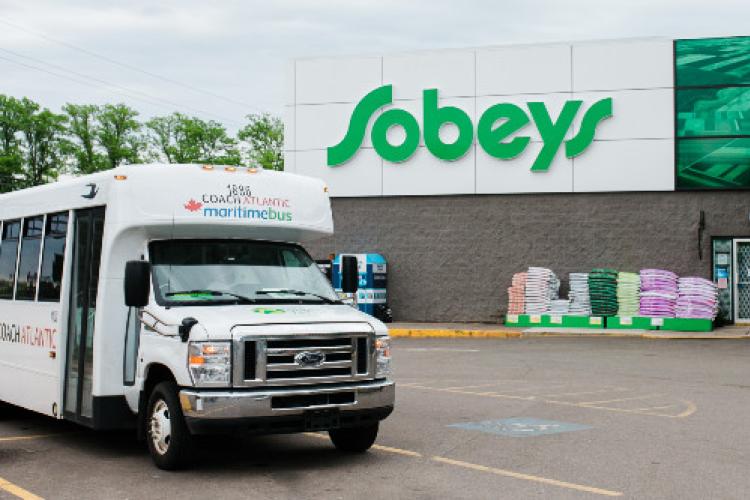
264	140
37	144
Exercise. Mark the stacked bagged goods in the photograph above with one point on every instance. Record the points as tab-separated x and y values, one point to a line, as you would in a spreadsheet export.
559	306
541	287
580	304
628	289
516	294
603	292
697	298
658	293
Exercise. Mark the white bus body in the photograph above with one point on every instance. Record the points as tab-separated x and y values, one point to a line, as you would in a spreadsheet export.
227	328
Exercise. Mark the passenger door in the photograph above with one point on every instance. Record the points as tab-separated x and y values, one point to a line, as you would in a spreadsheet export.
88	227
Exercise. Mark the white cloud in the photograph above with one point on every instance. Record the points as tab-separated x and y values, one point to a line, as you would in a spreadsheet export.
238	48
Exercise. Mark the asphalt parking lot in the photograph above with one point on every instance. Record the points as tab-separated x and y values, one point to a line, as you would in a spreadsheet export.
484	418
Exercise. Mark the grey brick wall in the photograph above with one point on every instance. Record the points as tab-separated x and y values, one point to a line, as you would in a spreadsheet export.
451	258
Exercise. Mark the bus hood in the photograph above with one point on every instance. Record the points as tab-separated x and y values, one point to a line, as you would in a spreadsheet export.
220	322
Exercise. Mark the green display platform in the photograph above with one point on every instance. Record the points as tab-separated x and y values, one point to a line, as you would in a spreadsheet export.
665	324
553	321
633	323
612	322
688	325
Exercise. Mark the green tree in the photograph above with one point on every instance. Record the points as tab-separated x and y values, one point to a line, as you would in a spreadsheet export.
118	134
13	114
263	138
185	139
83	128
44	146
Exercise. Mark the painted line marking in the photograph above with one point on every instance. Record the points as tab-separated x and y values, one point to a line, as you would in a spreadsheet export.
689	410
482	468
17	491
436	349
647	396
33	436
379	447
528	477
584	393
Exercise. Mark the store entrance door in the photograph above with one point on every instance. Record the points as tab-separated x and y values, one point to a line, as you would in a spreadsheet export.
742	281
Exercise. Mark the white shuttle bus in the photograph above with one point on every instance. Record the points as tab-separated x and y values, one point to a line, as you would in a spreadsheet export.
177	300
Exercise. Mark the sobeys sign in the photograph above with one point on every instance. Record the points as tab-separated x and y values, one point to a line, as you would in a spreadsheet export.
494	130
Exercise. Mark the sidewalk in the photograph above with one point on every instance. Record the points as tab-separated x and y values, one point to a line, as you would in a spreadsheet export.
487	330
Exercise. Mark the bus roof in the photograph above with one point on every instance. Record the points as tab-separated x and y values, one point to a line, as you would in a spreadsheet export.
189	201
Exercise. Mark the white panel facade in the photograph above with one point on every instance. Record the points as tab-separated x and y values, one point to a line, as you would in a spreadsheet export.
632	150
448	132
449	71
524	70
289	128
636	165
515	176
422	175
322	125
344	79
636	114
622	64
553	102
361	176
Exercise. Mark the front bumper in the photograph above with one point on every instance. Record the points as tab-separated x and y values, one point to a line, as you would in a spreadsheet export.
283	409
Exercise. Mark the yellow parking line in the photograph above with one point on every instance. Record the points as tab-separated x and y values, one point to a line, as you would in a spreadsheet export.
632	398
583	393
379	447
17	491
397	451
492	470
24	438
690	406
528	477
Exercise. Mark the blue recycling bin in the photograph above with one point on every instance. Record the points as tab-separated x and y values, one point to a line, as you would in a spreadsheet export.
372	296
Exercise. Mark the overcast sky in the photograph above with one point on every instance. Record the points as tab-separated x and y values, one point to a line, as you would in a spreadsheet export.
235	52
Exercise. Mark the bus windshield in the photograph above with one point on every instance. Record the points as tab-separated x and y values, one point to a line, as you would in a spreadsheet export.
205	272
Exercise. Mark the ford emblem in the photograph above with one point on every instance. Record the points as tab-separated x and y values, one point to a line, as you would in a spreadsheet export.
310	359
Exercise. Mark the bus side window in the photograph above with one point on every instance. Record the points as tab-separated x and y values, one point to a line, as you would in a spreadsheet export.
8	257
28	267
53	257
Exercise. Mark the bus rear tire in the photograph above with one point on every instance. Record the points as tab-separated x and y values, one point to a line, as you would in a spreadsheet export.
354	439
169	440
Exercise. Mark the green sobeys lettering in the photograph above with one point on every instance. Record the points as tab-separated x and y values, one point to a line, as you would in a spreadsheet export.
494	130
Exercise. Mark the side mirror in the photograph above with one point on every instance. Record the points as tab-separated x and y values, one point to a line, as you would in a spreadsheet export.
349	274
137	283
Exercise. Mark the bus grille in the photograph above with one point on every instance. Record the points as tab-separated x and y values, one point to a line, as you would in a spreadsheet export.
307	360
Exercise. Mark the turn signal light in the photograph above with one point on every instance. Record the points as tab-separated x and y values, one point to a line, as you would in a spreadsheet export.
121	177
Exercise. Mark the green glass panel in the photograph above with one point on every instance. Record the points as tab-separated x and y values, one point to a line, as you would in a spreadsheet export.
713	163
713	111
713	61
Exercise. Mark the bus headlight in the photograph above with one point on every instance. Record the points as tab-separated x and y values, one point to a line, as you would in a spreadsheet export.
210	363
383	359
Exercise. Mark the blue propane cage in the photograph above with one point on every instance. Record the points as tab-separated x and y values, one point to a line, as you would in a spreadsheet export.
372	296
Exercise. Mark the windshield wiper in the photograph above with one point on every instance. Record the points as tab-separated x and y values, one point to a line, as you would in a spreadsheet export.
290	291
216	293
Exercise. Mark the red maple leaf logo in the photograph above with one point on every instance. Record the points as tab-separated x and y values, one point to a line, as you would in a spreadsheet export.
193	205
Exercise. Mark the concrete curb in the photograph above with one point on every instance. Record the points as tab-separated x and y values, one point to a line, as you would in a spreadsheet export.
450	333
572	333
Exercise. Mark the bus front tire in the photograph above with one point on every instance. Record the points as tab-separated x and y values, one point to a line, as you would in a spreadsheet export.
168	438
354	439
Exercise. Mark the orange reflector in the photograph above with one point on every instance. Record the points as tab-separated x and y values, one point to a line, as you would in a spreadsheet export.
197	360
120	177
210	349
208	167
231	169
252	171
